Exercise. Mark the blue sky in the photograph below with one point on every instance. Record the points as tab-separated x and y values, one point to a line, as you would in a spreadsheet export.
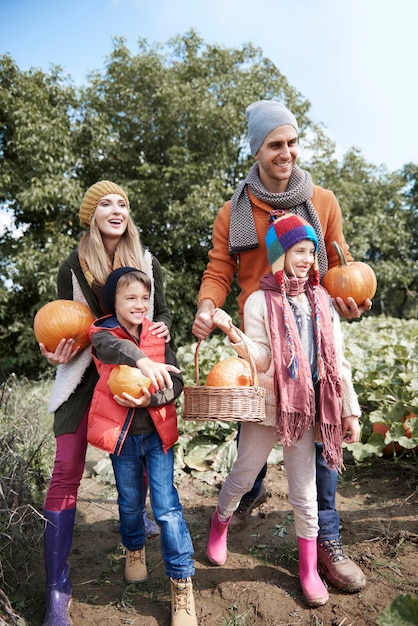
355	60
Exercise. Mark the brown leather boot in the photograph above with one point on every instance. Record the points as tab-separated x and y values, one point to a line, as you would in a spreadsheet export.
339	570
182	603
240	516
135	566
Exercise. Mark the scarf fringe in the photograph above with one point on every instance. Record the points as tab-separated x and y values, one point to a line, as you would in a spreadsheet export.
295	426
332	449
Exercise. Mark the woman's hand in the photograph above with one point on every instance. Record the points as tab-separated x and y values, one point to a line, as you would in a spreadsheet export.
161	330
64	352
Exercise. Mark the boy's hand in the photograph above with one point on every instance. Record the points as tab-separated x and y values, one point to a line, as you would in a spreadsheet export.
131	402
159	373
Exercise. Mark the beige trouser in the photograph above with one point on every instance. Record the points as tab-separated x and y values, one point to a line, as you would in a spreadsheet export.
254	446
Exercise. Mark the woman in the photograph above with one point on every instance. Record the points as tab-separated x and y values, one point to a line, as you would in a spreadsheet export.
111	241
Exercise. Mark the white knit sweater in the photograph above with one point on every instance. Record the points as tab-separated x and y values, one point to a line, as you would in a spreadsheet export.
257	341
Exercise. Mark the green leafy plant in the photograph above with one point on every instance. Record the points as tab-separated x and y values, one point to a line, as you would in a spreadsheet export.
403	611
382	353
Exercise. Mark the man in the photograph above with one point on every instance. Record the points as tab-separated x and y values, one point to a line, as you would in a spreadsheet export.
274	185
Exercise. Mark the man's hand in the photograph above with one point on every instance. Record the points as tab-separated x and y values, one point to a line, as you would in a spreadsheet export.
351	311
203	323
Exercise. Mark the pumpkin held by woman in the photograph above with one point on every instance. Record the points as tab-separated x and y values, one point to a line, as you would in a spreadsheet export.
356	279
124	378
231	372
63	319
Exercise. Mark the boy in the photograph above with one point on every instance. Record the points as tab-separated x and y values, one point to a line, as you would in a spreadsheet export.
140	432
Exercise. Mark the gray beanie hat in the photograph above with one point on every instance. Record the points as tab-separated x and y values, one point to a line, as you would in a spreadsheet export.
263	117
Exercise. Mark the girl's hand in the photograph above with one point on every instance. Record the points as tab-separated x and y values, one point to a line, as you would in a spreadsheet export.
131	402
351	429
221	319
160	329
64	352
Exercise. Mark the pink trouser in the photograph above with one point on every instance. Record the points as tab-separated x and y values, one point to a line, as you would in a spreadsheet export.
254	446
70	457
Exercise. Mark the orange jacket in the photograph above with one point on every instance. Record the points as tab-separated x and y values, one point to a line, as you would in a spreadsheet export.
251	265
108	421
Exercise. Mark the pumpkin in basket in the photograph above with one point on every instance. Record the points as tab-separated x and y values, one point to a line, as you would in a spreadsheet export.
231	372
356	279
63	319
124	378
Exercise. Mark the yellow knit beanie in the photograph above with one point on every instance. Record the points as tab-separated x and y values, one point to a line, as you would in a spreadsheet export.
94	194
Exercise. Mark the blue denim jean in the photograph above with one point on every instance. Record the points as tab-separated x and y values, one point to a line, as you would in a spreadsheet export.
137	451
326	489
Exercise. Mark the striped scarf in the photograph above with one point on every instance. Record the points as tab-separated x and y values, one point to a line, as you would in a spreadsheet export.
296	199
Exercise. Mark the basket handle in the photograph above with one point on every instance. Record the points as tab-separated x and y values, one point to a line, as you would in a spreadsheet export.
196	362
250	358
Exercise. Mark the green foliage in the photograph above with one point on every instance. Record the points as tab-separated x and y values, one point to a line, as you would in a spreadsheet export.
382	354
379	225
403	611
167	123
26	450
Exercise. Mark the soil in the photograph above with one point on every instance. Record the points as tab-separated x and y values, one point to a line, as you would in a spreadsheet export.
258	585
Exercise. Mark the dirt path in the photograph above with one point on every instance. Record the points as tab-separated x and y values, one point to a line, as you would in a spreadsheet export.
258	584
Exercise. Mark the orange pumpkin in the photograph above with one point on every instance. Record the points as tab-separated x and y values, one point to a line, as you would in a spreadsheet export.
407	429
379	427
231	372
124	378
356	279
63	319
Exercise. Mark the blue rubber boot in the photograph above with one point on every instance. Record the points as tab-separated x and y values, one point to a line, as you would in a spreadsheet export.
58	537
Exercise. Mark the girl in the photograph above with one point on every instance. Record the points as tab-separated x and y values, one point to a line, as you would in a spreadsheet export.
295	339
111	241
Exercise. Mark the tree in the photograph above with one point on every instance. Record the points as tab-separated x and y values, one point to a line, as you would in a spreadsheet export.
377	224
38	187
168	124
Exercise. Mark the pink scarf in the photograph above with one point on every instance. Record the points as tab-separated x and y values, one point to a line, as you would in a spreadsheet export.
296	408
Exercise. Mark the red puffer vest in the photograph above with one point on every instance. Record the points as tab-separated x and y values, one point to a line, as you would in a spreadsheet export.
109	422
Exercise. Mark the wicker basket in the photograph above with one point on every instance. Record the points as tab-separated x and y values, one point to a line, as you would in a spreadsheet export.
227	404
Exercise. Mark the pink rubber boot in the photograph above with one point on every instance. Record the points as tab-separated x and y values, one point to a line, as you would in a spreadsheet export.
217	539
313	589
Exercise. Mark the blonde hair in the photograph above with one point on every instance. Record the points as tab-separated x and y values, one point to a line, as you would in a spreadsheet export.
129	249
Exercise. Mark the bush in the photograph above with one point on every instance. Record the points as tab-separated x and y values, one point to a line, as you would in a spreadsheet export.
25	459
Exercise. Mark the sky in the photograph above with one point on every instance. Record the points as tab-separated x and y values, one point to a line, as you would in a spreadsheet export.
354	60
